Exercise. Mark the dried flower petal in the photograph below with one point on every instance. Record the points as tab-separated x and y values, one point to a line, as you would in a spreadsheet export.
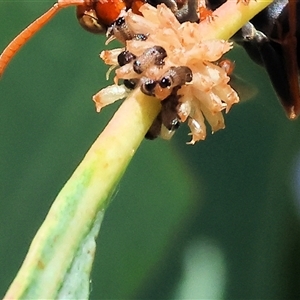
109	95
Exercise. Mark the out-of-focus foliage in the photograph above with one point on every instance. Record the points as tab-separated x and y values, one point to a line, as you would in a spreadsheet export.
216	220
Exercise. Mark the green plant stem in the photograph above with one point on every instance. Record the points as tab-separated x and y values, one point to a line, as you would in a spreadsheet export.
230	17
88	191
75	210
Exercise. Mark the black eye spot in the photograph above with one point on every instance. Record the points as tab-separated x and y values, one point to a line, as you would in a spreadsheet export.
130	83
165	82
125	58
148	87
137	67
120	21
189	77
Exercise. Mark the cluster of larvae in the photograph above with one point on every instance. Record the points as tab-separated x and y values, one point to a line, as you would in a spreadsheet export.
170	61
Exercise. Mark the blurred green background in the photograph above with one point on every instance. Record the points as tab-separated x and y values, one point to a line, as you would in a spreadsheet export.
218	220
